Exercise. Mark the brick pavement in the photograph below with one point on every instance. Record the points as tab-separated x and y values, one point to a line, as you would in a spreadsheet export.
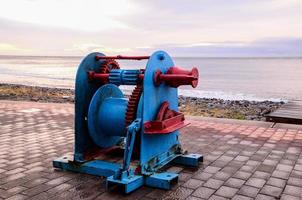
242	161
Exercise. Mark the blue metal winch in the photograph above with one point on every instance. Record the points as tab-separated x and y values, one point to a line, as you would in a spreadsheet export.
129	140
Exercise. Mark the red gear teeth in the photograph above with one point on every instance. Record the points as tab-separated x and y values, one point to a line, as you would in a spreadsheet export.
109	65
133	104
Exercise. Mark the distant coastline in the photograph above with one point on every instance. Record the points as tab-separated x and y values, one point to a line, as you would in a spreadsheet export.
180	57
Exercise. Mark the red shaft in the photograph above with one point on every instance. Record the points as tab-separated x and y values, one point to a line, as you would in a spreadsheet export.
176	77
104	78
120	57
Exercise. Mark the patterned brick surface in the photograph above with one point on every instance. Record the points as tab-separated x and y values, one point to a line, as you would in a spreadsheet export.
241	161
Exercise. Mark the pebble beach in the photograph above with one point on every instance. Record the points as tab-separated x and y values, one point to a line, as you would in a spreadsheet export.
207	107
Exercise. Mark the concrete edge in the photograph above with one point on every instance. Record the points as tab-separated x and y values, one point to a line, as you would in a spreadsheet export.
231	121
246	122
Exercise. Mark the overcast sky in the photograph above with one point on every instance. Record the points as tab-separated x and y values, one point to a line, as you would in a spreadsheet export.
182	27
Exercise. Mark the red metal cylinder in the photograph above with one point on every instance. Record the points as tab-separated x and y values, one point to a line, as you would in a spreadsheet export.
176	77
104	78
120	57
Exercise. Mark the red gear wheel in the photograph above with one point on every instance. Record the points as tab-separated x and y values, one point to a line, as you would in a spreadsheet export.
133	104
108	65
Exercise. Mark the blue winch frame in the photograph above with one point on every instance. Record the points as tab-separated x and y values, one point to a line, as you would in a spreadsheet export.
156	151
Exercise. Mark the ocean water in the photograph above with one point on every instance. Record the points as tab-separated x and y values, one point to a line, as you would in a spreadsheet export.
227	78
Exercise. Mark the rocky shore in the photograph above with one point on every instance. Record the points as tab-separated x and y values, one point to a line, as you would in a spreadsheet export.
243	109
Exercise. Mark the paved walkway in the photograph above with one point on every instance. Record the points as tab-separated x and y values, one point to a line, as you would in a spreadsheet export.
243	160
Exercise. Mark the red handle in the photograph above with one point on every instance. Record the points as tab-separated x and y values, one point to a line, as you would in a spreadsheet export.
176	77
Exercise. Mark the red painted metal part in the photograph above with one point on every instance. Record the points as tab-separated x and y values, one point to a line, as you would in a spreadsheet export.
167	121
120	57
104	78
176	77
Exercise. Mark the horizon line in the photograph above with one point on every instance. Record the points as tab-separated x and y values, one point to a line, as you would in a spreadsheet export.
217	57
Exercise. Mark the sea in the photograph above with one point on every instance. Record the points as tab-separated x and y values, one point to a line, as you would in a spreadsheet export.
254	79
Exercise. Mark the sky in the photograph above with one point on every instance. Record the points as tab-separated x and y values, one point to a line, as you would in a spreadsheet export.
208	28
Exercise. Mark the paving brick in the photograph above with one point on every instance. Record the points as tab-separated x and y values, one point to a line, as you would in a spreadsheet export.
266	168
296	174
234	182
227	192
215	197
211	169
271	191
270	162
180	193
242	175
264	197
203	192
222	175
17	197
289	197
249	191
298	167
293	190
240	197
262	175
281	174
36	190
213	183
255	182
193	183
277	182
240	162
203	176
58	181
286	168
155	194
191	198
295	181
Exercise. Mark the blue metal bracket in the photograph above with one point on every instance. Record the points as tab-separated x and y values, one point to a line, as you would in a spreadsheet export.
161	160
132	129
95	167
125	185
163	180
191	160
125	177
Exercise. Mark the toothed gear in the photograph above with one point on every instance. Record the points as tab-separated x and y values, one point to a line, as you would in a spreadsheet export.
133	104
109	65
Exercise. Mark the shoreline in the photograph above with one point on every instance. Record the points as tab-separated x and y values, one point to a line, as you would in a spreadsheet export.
207	107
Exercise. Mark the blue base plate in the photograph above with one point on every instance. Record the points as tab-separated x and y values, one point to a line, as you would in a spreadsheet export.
94	167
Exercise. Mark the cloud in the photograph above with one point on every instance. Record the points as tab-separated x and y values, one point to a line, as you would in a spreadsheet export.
92	15
86	48
278	47
6	48
203	27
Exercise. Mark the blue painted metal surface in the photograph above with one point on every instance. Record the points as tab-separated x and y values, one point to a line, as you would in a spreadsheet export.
155	145
95	167
163	180
106	116
124	77
84	90
126	185
100	123
191	160
132	129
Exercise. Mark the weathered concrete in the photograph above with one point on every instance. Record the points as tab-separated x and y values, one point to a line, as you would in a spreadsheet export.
243	159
